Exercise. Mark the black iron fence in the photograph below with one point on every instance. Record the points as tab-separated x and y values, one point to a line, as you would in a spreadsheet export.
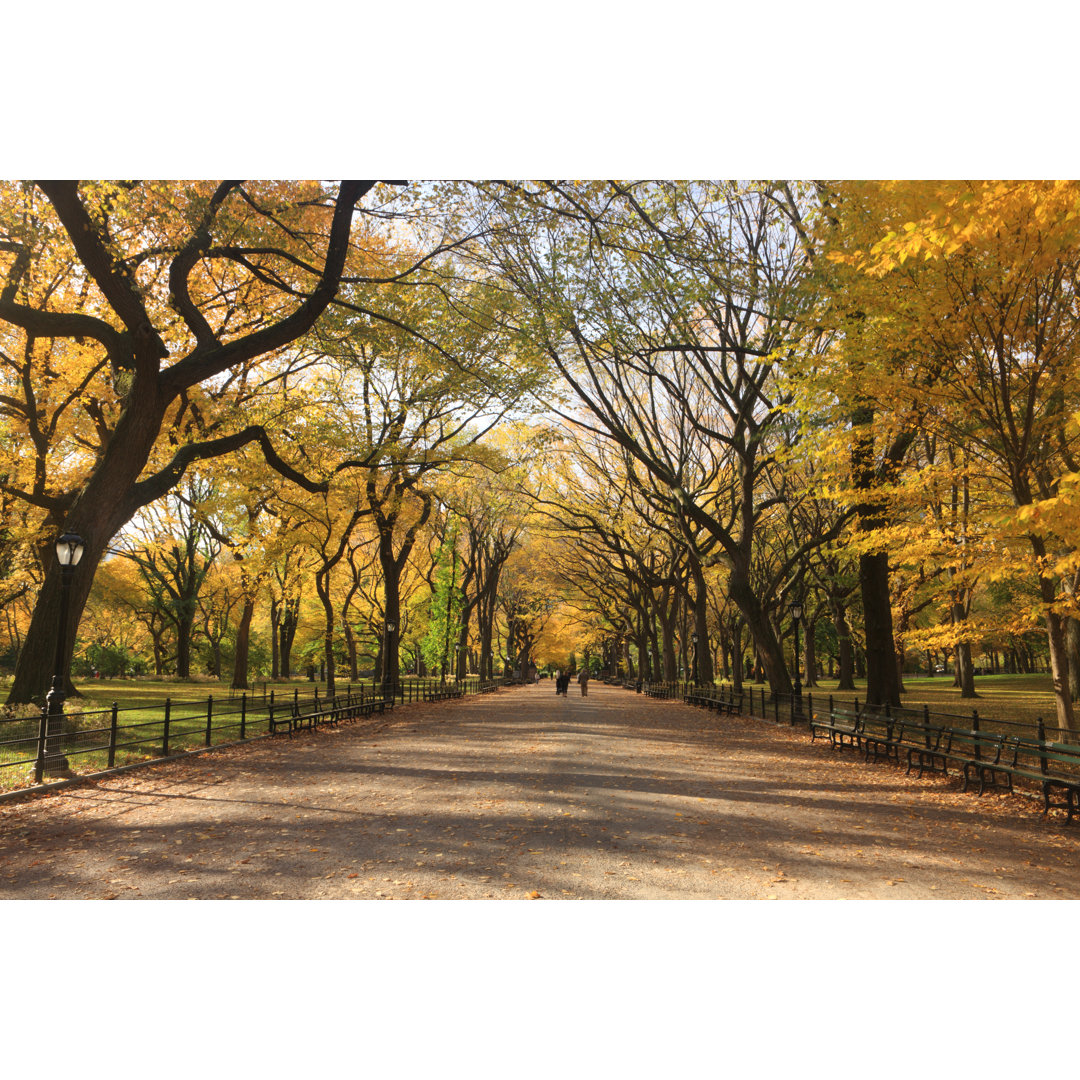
91	740
899	728
793	709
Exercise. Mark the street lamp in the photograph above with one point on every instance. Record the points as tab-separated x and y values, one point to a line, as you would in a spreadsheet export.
694	639
796	610
69	550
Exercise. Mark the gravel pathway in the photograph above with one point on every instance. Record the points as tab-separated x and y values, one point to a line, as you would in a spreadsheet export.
523	795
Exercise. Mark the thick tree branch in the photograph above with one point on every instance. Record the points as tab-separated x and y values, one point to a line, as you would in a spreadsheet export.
112	277
163	481
206	362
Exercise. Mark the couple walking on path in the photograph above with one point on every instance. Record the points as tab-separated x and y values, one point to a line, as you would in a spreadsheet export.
562	683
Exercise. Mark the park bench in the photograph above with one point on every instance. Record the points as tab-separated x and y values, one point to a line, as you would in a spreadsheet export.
292	716
993	761
442	693
1064	758
933	748
936	746
1053	767
881	736
713	701
842	726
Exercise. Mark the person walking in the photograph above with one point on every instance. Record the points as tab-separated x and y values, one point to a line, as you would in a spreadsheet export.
583	682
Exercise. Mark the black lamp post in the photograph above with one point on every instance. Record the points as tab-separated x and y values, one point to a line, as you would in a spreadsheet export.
796	610
694	639
51	762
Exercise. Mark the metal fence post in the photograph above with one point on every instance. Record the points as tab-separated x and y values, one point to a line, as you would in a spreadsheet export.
243	716
43	727
165	732
209	714
113	719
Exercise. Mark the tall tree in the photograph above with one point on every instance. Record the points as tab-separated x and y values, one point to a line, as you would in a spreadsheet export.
970	293
123	300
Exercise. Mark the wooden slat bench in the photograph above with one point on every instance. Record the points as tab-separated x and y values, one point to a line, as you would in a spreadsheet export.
442	693
710	701
1054	767
881	736
843	728
933	749
292	716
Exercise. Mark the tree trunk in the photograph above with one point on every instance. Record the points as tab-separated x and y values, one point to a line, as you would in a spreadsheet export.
1059	660
350	649
846	659
1072	649
704	675
965	670
275	648
810	657
882	685
770	653
671	661
287	632
463	642
184	627
243	643
736	656
322	588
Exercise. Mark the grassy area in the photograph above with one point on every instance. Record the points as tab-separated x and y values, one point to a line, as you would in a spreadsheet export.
1000	697
141	732
100	693
1008	699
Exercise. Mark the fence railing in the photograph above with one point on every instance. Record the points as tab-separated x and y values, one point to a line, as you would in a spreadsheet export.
109	737
799	708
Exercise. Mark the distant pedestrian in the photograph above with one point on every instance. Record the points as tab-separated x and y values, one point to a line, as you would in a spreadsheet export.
583	682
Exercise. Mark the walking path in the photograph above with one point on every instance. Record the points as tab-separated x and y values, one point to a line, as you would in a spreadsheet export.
522	794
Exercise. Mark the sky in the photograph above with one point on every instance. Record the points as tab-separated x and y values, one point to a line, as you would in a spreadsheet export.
836	88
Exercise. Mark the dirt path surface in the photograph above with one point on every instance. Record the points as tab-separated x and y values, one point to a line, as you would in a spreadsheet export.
524	795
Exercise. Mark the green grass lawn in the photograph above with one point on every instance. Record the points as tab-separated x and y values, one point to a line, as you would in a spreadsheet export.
1000	697
140	721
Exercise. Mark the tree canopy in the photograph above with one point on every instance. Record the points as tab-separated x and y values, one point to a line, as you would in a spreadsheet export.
616	423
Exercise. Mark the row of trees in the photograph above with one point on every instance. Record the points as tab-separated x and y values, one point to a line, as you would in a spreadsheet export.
688	402
860	395
184	593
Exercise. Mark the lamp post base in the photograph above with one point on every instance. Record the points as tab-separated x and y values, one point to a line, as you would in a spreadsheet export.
54	764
